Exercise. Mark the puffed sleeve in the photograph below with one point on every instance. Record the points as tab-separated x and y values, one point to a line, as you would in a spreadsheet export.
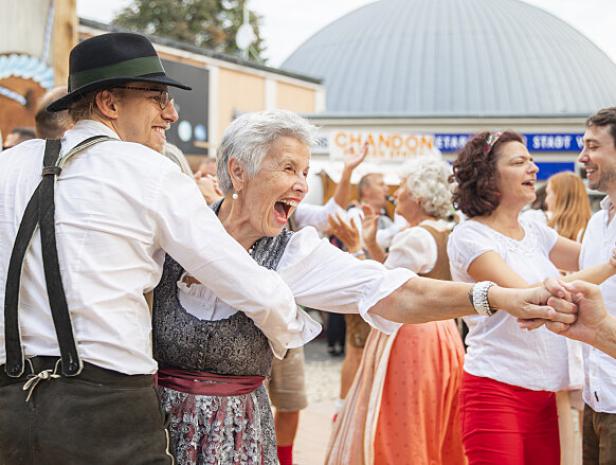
468	241
413	248
326	278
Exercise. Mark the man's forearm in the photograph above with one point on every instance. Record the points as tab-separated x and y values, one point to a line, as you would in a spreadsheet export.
605	338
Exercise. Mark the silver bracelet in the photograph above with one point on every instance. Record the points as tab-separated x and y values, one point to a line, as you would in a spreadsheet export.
479	298
359	253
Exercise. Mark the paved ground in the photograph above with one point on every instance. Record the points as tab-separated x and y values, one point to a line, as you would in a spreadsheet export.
322	383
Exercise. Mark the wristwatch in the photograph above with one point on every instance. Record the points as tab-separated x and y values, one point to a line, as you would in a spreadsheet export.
478	295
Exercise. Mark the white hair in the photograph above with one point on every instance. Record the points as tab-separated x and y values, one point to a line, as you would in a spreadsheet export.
250	137
428	182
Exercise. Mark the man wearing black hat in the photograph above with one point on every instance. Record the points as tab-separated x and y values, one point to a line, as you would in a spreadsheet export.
80	246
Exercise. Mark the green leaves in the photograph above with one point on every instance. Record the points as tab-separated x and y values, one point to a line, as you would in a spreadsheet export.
211	24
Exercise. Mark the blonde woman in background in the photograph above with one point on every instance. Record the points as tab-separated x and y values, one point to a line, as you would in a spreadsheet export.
568	212
568	205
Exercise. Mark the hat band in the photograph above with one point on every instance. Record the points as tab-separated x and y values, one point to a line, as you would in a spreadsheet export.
135	67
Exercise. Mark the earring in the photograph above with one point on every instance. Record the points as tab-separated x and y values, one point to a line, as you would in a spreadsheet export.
234	196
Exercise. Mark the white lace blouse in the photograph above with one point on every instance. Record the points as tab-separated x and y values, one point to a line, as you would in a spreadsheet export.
497	347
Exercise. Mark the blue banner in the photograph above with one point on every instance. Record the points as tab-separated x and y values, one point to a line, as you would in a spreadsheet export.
547	142
450	143
554	142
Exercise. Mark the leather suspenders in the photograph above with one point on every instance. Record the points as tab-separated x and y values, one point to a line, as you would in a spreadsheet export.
40	211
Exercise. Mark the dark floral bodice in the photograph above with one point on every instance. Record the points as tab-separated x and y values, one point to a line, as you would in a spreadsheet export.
232	346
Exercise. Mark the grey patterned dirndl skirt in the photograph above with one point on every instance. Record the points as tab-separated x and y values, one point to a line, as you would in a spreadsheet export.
220	430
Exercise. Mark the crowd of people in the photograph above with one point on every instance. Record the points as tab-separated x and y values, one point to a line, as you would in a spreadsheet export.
156	316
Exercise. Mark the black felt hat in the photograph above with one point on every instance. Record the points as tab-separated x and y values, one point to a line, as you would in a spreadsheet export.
104	61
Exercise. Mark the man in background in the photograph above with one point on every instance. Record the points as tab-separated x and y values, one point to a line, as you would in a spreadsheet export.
598	157
17	136
50	124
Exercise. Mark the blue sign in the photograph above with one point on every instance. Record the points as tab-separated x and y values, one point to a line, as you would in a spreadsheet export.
547	169
548	142
554	142
448	143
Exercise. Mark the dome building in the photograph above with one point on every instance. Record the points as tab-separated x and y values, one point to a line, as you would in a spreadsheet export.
409	75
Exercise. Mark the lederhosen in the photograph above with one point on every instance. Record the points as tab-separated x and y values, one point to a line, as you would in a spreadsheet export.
60	410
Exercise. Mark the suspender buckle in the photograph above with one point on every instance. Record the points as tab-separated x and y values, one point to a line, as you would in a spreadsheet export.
15	370
51	171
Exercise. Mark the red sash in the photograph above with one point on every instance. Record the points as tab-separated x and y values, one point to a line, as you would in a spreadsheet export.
203	383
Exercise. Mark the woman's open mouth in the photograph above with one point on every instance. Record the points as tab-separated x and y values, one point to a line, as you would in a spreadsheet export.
283	209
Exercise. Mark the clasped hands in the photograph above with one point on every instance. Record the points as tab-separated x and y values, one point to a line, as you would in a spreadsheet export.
579	310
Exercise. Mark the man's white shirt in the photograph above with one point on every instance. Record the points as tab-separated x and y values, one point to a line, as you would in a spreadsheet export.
119	207
600	368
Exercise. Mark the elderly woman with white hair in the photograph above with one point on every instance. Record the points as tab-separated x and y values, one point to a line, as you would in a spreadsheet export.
213	359
402	407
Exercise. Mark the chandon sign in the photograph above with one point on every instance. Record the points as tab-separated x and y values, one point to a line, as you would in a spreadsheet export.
381	145
393	146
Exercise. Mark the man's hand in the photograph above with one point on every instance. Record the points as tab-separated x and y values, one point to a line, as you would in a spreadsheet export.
591	317
347	233
558	294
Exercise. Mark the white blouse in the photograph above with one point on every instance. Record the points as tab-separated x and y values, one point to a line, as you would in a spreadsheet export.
320	276
497	347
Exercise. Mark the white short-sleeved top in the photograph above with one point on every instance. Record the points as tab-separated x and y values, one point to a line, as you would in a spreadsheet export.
497	347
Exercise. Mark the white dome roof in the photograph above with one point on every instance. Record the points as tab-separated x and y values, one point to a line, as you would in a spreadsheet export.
458	58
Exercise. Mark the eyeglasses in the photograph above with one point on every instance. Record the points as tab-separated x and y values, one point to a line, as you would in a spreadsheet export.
163	97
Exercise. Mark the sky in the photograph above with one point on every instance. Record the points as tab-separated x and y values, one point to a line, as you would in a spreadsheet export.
288	23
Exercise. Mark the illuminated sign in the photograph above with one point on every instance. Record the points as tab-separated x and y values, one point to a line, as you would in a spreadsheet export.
400	146
386	146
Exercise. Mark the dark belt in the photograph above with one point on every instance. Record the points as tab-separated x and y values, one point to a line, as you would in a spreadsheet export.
35	366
